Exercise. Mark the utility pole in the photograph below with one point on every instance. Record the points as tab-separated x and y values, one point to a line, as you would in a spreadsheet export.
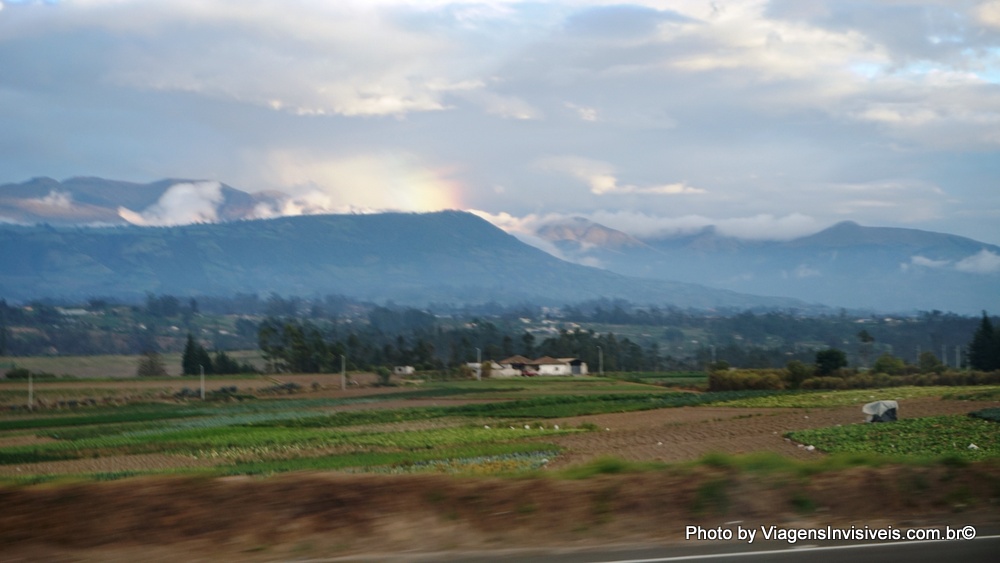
31	392
479	364
201	369
600	361
343	372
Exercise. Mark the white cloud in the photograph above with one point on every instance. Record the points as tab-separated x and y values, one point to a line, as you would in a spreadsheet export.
904	200
925	262
988	13
600	176
642	225
803	271
585	113
319	183
746	115
509	107
983	262
180	204
57	199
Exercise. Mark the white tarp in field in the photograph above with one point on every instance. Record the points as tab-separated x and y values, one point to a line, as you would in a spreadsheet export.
880	411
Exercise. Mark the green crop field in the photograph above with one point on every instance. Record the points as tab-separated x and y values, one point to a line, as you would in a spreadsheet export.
822	398
487	427
959	437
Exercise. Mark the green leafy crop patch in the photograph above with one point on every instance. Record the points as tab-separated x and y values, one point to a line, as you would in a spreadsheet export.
824	398
956	436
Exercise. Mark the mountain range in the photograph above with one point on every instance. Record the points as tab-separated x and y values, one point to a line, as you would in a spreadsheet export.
846	265
100	202
445	257
94	237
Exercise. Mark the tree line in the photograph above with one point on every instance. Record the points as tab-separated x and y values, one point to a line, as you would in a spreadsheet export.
300	346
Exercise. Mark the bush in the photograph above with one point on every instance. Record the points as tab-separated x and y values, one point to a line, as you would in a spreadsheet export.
797	372
869	381
23	373
383	374
825	382
992	414
739	380
151	365
887	363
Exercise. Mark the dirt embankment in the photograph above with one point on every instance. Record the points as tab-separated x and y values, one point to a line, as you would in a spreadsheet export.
326	515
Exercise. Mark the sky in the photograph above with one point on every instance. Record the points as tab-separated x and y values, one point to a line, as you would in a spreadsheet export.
769	119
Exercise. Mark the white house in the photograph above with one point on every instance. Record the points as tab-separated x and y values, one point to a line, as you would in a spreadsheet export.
403	370
545	366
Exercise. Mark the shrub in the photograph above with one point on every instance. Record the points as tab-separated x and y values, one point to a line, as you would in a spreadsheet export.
887	363
739	380
23	373
827	382
383	374
992	414
797	372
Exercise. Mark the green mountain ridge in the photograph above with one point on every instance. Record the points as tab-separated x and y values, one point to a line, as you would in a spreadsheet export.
448	256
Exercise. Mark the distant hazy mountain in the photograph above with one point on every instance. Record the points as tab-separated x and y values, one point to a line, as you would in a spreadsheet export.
583	233
450	257
847	265
97	201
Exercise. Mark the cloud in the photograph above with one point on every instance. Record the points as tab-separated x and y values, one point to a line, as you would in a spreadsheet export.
180	204
907	201
645	226
988	13
744	115
600	176
983	262
56	199
316	183
585	113
509	107
803	271
925	262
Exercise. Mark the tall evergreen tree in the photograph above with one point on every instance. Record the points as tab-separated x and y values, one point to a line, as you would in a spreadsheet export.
984	350
830	360
195	358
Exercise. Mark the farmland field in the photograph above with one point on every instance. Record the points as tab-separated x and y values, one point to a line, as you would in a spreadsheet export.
497	426
545	432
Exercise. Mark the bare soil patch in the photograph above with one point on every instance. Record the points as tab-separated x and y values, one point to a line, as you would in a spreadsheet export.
687	433
106	464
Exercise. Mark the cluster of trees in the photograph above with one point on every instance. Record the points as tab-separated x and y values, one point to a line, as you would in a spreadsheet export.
830	371
196	360
323	329
413	338
929	330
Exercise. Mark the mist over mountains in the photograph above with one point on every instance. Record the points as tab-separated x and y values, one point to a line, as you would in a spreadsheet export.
100	202
846	265
445	257
204	244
